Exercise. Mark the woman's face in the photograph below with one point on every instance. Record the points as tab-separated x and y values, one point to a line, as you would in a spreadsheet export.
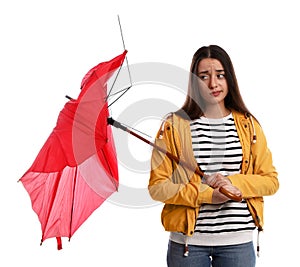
212	74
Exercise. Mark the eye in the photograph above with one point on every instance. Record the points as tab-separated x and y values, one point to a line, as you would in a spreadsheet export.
203	77
221	76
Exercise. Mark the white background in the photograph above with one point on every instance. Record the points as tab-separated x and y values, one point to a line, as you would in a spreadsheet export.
47	46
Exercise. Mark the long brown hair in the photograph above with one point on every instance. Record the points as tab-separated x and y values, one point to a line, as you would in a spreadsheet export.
191	108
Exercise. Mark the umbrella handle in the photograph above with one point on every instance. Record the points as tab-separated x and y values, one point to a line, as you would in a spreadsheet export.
230	195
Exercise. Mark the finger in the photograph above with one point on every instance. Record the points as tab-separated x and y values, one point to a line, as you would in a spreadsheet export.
211	180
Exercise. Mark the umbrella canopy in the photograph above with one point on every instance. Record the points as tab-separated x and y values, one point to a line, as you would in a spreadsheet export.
76	169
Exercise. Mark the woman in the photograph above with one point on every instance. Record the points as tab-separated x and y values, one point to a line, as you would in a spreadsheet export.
213	131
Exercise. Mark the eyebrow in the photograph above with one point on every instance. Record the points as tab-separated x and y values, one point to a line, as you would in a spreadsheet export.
206	71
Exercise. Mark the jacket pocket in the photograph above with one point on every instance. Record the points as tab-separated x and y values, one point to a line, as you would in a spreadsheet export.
177	218
174	218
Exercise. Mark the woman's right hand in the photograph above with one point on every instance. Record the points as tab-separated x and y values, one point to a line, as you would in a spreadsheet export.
219	197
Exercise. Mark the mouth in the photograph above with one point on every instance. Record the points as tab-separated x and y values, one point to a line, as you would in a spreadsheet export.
216	93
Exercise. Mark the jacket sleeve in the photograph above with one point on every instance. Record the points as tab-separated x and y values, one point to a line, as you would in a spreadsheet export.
260	178
170	182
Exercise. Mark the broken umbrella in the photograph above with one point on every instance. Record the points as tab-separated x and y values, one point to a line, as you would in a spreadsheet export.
76	169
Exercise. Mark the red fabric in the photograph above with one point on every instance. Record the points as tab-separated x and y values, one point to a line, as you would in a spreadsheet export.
76	170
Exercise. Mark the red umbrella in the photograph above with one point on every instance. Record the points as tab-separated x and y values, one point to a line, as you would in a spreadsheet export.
76	169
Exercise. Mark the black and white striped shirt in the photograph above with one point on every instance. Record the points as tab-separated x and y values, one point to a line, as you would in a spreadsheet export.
216	145
217	148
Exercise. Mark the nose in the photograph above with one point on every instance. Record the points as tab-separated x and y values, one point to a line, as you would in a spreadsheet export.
213	83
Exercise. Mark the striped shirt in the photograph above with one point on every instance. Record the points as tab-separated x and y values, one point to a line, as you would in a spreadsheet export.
217	148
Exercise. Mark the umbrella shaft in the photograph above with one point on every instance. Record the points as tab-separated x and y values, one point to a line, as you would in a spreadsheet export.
117	124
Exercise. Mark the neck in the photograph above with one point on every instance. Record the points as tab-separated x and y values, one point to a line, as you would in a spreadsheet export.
216	111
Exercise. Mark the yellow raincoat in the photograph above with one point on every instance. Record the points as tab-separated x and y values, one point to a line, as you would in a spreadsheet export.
182	190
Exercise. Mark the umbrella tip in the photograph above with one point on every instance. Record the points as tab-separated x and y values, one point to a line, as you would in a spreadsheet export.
70	98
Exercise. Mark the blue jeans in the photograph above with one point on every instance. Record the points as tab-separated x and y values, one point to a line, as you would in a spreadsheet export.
242	255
